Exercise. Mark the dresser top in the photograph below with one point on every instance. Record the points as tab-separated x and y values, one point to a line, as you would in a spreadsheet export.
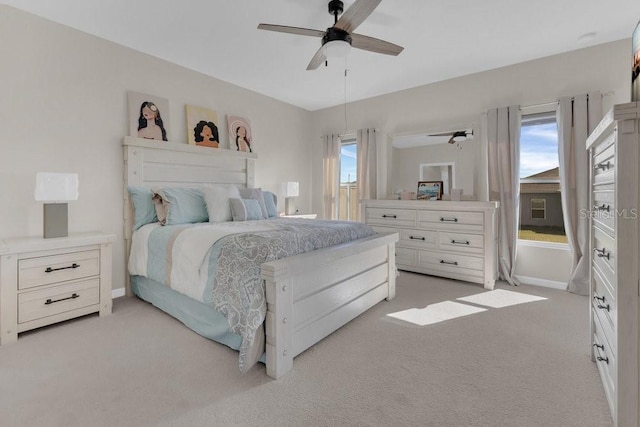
39	243
432	204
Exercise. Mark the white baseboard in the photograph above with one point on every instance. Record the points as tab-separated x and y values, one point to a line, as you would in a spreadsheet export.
542	282
117	293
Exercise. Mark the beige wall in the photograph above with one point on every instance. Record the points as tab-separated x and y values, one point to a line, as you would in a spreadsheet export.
63	106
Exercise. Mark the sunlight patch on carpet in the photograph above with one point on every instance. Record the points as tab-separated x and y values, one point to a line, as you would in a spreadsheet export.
499	298
436	313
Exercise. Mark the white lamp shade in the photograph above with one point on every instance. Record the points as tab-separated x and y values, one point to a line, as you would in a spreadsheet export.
56	187
290	189
337	49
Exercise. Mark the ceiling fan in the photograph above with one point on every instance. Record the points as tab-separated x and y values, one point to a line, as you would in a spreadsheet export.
455	134
340	37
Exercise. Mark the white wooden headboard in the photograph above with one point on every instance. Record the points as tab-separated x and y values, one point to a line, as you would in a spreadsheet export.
158	163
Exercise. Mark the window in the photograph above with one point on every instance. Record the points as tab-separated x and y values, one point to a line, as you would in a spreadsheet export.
540	202
539	208
348	200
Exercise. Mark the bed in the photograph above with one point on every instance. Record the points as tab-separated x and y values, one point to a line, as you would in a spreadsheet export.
308	296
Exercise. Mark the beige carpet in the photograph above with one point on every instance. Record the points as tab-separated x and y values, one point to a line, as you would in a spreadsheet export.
521	365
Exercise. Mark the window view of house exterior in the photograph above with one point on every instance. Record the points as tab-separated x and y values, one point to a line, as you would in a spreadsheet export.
540	204
348	202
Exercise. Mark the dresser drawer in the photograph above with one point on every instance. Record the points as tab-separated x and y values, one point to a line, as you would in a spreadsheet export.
418	238
391	217
406	256
602	311
606	362
52	300
466	243
604	163
604	254
451	220
57	268
604	210
605	295
451	263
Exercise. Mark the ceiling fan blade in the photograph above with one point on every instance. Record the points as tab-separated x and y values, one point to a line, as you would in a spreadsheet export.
375	45
356	14
291	30
317	59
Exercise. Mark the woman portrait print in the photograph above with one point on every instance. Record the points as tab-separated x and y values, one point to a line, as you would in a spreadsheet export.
243	141
206	134
239	131
150	124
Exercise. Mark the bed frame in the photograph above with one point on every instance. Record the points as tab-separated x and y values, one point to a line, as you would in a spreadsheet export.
308	295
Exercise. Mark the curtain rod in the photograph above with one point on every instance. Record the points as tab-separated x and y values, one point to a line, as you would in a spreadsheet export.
549	104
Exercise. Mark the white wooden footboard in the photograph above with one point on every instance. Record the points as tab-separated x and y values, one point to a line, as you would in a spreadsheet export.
311	295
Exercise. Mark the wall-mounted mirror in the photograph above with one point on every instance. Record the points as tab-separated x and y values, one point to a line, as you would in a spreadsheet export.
451	156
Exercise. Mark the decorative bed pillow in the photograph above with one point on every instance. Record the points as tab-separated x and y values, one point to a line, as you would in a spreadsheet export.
271	203
255	193
216	198
144	211
180	205
245	209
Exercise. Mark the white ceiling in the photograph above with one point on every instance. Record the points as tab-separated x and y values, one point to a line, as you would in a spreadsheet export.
442	39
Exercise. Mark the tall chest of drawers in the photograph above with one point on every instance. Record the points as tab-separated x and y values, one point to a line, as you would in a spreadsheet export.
614	256
441	238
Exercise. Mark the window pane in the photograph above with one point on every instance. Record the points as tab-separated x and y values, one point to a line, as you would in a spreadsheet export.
348	202
540	202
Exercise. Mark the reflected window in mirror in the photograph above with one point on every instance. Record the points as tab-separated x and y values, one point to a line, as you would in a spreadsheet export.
444	172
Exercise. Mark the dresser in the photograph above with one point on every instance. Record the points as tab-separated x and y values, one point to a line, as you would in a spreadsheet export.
614	257
457	240
44	281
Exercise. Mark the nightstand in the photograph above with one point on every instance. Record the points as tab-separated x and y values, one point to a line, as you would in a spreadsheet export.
44	281
307	216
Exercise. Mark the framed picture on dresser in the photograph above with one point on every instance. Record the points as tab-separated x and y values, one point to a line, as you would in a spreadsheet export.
429	190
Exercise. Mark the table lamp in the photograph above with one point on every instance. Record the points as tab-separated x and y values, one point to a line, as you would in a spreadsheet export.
290	190
55	189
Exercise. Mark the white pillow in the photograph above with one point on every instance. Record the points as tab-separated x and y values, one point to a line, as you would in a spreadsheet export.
216	197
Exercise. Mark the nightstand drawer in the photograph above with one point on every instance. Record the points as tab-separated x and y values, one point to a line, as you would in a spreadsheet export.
57	299
57	268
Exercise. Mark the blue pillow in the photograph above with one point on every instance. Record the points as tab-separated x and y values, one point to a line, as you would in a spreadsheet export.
183	205
245	209
270	202
144	211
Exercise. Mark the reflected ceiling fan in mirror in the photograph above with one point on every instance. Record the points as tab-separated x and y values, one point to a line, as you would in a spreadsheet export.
338	40
456	135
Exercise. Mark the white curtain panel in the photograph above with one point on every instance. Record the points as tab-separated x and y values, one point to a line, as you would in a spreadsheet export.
576	118
366	167
503	137
331	175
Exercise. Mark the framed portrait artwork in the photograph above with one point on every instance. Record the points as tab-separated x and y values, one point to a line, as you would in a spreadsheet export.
202	127
148	116
429	190
239	134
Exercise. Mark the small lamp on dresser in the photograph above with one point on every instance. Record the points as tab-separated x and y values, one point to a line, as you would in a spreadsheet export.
290	190
55	189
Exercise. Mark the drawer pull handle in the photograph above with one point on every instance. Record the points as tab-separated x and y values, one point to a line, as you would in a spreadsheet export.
51	270
50	301
600	302
442	219
389	216
602	207
603	166
417	238
460	242
448	262
598	357
602	253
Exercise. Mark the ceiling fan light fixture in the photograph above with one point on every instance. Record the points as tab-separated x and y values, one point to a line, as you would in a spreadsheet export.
337	48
